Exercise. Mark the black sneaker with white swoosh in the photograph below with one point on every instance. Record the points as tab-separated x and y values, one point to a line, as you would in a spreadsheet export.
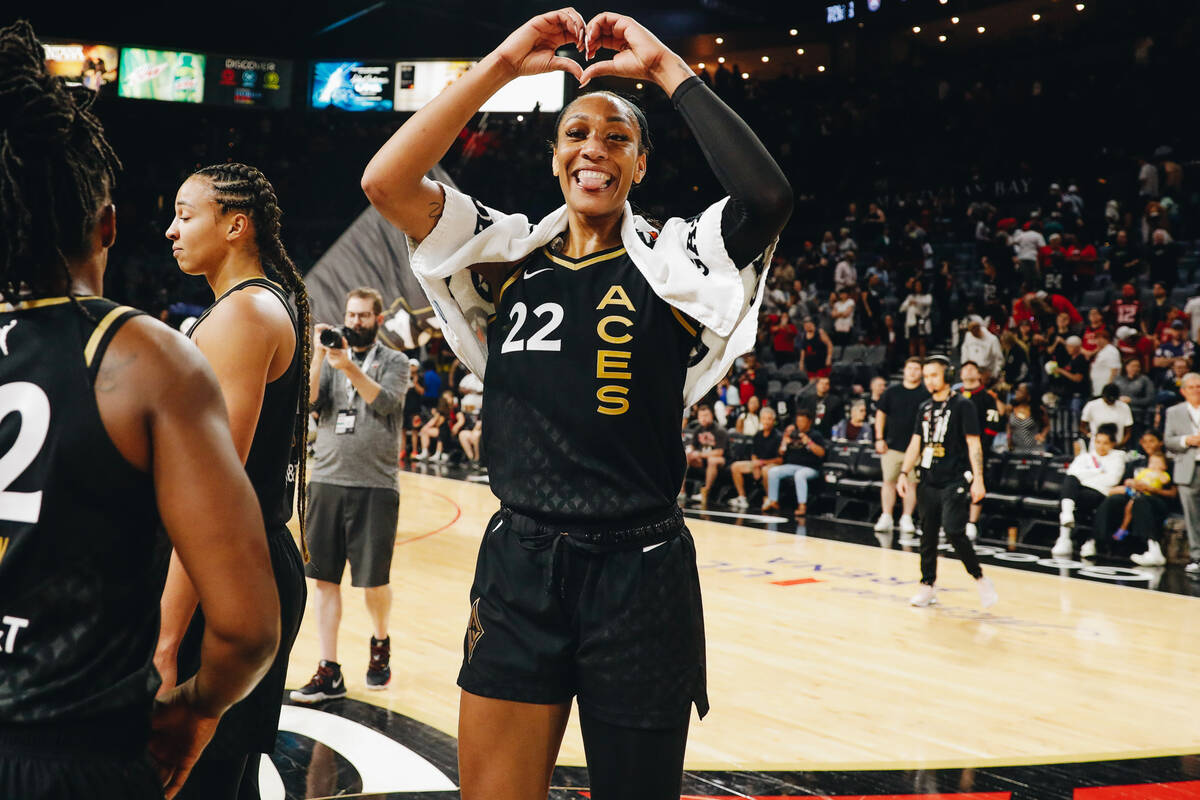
326	684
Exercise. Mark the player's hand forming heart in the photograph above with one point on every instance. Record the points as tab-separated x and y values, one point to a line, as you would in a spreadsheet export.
639	52
530	49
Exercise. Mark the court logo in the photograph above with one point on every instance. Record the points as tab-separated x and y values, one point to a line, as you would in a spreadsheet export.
474	630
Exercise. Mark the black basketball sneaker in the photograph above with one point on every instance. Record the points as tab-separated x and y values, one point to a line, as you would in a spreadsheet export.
379	671
326	684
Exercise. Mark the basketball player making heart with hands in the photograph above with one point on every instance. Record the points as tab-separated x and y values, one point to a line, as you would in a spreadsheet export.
586	581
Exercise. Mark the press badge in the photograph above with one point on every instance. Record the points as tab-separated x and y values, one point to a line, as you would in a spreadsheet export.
345	421
927	457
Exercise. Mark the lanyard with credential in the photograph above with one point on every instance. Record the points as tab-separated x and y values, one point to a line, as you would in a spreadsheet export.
366	365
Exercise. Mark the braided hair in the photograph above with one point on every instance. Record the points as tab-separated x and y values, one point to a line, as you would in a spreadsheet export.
244	188
56	169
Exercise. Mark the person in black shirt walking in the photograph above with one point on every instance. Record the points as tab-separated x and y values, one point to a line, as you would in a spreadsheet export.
946	442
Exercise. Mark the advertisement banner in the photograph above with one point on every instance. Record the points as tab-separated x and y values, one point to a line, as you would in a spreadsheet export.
248	81
90	65
353	85
162	75
418	82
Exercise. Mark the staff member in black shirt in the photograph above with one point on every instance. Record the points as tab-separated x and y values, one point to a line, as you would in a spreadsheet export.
946	440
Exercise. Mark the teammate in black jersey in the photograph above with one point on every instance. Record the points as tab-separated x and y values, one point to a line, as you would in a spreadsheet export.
945	444
586	582
226	228
112	422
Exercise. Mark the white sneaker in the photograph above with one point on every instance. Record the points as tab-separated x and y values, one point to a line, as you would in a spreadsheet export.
444	457
906	525
739	502
698	497
1153	557
987	592
1066	518
972	531
421	456
1088	549
925	596
884	525
1063	547
1193	568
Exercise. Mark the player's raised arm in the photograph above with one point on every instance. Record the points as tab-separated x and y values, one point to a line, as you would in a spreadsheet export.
394	180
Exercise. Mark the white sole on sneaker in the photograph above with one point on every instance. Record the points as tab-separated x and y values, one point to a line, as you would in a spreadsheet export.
1062	548
311	699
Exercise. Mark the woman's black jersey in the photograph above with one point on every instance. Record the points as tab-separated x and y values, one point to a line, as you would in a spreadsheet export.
268	463
81	569
583	391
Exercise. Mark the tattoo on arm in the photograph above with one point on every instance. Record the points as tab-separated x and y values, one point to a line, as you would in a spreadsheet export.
435	210
108	378
975	449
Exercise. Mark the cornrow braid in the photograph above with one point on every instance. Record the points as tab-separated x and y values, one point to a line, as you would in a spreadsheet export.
56	169
244	188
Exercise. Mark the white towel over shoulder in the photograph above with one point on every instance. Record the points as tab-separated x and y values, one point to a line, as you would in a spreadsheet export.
685	264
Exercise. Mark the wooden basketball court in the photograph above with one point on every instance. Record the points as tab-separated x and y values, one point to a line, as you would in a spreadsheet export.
817	662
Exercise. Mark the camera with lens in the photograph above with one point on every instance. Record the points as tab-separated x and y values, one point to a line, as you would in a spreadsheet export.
332	337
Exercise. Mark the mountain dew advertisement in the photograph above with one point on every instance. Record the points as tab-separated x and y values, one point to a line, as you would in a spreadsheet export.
161	75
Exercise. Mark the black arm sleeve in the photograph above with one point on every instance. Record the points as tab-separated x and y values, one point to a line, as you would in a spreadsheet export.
760	198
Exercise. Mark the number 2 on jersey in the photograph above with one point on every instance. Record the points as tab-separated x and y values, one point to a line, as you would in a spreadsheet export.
538	341
30	401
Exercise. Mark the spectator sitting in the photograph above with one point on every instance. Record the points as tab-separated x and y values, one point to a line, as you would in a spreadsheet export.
856	427
981	346
764	453
1126	309
816	350
1151	486
1157	315
748	422
469	437
1028	423
706	450
432	383
1092	476
1148	512
824	407
803	451
751	382
1094	326
1170	391
438	427
879	385
1137	391
471	389
1132	343
1173	346
1108	408
1106	363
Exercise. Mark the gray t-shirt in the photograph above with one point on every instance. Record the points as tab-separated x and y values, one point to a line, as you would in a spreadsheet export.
368	457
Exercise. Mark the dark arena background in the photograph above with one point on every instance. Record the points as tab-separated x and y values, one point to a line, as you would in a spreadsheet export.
1031	163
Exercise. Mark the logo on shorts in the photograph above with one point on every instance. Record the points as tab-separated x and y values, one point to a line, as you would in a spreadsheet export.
474	630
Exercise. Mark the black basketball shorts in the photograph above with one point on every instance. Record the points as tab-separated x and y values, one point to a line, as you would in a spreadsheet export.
621	627
65	776
355	523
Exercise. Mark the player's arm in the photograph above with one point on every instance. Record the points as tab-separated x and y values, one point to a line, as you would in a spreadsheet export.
394	180
238	342
975	452
212	517
910	461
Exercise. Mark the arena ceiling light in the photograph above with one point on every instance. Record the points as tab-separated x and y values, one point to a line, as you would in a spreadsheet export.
1080	6
1037	17
793	32
942	38
821	68
765	59
980	29
800	51
720	40
916	28
700	65
745	76
954	20
720	59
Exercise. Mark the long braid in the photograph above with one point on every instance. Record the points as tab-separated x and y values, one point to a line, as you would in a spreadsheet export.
242	187
56	169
